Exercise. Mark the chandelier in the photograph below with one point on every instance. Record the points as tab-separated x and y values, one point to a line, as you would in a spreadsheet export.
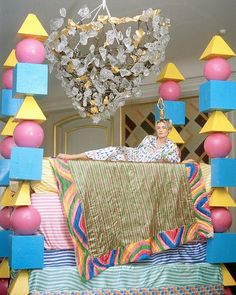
101	60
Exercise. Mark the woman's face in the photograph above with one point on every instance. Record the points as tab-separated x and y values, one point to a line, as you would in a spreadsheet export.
162	130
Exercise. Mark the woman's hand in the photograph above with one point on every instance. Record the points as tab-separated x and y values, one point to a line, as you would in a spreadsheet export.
65	157
81	156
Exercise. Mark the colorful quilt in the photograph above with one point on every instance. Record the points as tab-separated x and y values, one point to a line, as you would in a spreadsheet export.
89	267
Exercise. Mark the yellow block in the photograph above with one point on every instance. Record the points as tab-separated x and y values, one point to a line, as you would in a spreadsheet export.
217	122
217	47
22	196
20	285
175	136
228	280
32	27
30	110
11	60
221	198
170	72
6	198
4	269
8	129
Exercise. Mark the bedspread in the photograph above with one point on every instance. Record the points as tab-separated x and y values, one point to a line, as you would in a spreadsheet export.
88	266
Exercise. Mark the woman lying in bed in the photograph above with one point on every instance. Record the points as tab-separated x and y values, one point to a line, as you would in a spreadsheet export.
152	149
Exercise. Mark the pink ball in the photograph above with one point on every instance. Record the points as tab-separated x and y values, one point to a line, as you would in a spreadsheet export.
221	219
217	68
7	79
217	145
28	134
30	50
25	220
3	286
170	90
5	146
5	214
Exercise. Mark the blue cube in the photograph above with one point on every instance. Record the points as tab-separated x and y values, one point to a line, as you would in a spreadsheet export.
4	172
26	163
223	172
221	249
4	243
9	105
30	79
26	252
174	110
217	95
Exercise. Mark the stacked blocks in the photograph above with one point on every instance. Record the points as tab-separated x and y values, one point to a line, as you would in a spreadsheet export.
25	75
170	91
217	96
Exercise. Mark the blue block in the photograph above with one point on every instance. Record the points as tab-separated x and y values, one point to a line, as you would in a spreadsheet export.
4	172
174	110
9	105
223	172
26	163
4	243
26	252
217	95
221	249
30	79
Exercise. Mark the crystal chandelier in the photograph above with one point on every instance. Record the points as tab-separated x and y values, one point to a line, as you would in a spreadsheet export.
101	60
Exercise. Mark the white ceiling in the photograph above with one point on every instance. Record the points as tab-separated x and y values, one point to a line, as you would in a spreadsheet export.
194	22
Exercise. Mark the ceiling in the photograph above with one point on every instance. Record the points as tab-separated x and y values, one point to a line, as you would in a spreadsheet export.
193	24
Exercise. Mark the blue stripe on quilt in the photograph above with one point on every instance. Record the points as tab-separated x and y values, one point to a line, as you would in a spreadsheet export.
190	253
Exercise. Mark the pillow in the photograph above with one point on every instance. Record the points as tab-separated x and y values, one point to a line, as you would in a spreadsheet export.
48	181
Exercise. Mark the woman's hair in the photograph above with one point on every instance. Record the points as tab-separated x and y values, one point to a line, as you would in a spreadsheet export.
167	122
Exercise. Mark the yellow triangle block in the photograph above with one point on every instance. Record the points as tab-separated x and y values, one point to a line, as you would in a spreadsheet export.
170	72
228	280
217	47
11	60
221	198
175	136
32	27
30	110
6	198
217	122
4	269
20	285
8	129
22	196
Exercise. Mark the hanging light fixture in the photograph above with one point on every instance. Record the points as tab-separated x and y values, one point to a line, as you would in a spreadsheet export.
101	60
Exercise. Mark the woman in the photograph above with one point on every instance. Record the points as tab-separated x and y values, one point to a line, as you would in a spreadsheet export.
152	149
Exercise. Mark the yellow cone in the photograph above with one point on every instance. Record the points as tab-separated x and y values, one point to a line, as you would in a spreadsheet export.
6	198
175	136
217	47
22	196
217	122
170	72
11	60
4	269
30	110
228	280
32	27
20	285
221	198
8	129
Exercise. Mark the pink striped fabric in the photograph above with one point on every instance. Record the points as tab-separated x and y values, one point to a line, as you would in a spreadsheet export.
53	222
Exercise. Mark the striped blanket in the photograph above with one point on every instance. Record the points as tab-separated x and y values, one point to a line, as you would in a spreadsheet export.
90	267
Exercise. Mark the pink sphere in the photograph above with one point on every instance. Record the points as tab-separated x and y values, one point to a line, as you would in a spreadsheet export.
217	68
7	79
5	214
170	90
3	286
28	134
25	220
5	146
221	219
30	50
217	145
